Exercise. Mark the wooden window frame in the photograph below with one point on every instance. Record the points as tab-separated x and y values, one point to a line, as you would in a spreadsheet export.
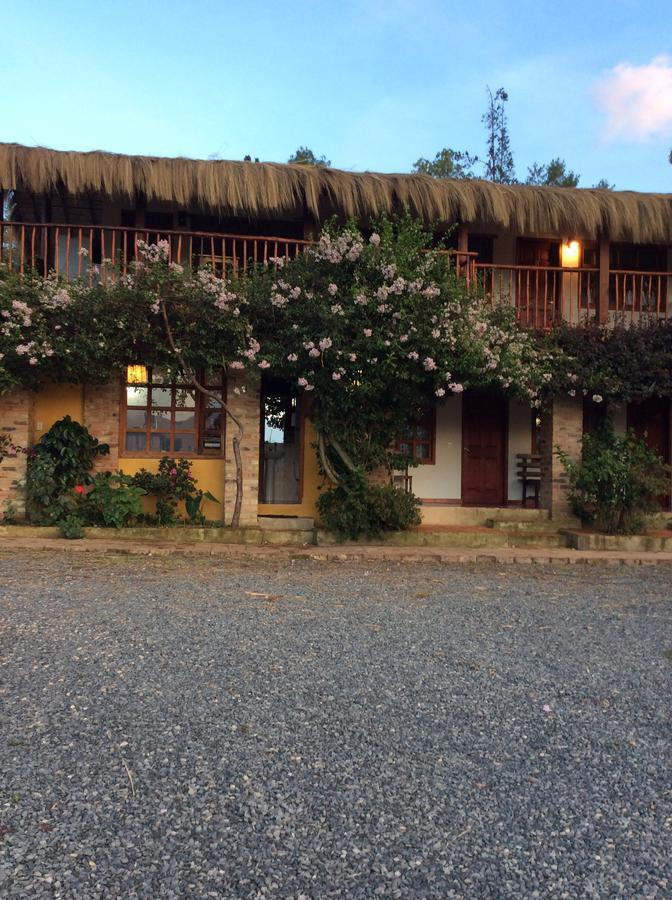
201	410
428	413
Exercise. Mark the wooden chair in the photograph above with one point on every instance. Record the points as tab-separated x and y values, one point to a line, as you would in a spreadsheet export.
529	473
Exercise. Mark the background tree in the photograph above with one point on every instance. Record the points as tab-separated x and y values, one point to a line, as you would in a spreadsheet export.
553	174
499	159
604	185
304	156
448	163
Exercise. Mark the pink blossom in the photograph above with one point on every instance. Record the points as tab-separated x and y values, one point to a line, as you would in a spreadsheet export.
325	343
456	388
236	364
333	289
413	355
264	364
336	376
368	332
440	392
429	364
292	357
375	239
302	382
313	352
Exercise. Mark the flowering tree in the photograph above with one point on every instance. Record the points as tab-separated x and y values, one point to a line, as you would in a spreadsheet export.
157	312
376	329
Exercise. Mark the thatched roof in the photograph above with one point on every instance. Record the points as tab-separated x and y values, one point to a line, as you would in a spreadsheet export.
258	189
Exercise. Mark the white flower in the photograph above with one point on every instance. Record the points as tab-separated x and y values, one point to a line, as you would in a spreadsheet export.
292	357
440	392
264	364
375	239
597	398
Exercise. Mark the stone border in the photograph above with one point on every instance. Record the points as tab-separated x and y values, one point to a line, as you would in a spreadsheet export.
363	554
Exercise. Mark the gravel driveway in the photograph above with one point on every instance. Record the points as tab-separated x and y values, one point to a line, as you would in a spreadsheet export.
177	728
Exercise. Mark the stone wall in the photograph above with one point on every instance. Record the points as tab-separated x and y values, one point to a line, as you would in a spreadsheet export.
17	409
244	403
561	426
101	417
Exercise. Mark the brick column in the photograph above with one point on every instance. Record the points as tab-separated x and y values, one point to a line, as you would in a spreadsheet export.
17	409
561	426
244	403
101	417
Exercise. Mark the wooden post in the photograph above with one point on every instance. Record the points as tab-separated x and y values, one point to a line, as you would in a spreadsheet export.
462	249
603	278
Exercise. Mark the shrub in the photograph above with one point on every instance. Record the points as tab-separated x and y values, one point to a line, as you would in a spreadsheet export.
356	508
71	527
62	459
174	481
114	501
617	481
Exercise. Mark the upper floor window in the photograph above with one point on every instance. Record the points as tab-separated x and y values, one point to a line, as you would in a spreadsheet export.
162	415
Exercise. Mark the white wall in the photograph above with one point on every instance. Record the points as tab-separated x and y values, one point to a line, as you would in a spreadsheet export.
520	441
443	480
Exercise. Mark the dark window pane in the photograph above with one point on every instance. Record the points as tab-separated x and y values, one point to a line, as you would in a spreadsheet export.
213	422
136	418
160	442
184	443
422	451
159	420
136	441
185	420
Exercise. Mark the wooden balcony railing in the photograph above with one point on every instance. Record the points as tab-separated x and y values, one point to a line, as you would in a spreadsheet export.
73	251
636	294
541	295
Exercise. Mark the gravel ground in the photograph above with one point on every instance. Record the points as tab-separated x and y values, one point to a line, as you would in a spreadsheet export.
204	728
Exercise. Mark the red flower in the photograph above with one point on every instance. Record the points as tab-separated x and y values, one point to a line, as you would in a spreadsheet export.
79	489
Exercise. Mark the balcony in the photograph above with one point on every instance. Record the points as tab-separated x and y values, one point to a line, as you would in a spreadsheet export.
542	296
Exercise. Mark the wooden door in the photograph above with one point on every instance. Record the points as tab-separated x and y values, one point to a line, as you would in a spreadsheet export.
650	420
484	420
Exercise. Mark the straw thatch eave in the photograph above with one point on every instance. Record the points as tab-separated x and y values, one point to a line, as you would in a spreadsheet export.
274	189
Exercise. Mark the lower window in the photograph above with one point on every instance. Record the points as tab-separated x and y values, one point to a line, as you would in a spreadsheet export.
162	415
418	440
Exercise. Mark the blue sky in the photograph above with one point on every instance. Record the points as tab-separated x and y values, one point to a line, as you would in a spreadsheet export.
372	85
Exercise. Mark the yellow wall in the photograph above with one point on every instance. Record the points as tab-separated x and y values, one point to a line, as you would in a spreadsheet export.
209	475
55	401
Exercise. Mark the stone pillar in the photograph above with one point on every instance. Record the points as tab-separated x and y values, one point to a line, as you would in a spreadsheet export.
17	408
244	404
101	416
561	426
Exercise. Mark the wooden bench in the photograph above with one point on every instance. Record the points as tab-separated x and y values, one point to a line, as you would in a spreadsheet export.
529	473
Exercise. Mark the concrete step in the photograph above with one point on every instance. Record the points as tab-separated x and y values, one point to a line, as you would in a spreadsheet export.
538	525
467	537
286	523
436	514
